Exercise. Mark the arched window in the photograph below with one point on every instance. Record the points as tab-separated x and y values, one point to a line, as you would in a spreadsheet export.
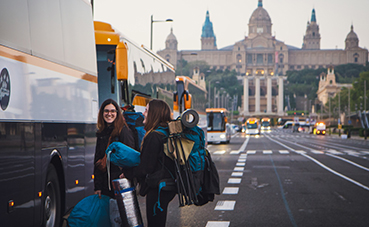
167	57
281	57
356	57
239	58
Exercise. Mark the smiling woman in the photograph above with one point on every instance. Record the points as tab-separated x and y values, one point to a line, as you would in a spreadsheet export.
111	127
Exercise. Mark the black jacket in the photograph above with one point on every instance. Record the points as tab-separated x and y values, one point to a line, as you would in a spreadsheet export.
152	155
101	177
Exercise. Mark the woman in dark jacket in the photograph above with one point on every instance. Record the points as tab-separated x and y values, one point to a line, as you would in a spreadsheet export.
111	127
157	114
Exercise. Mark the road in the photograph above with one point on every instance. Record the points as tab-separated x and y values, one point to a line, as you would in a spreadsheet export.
284	179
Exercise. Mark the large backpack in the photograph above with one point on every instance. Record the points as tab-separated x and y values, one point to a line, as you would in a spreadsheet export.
200	177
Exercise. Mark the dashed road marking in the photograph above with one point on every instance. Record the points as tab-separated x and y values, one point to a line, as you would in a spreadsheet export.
267	152
234	180
284	152
230	190
217	224
238	169
225	205
237	174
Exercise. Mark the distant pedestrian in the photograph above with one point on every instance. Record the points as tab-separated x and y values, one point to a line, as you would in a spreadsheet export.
157	114
111	127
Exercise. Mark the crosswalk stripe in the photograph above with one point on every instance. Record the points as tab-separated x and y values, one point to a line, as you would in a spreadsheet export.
220	152
240	164
242	160
317	152
334	152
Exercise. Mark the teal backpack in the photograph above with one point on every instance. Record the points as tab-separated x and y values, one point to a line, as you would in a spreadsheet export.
197	179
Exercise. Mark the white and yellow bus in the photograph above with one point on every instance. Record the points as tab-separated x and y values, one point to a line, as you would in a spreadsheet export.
265	125
218	130
252	126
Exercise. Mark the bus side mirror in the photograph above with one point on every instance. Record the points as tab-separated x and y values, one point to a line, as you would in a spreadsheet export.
121	61
175	101
187	101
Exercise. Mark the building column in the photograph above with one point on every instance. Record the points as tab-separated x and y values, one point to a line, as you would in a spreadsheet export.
280	95
269	95
245	95
257	94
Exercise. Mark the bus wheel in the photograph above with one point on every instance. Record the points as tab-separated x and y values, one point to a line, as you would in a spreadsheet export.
52	212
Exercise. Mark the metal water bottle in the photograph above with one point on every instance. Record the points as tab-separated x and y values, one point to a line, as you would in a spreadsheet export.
129	209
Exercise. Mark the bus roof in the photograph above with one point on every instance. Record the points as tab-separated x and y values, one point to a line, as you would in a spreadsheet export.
186	79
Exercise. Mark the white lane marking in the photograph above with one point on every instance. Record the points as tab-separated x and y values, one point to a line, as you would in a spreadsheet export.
251	152
300	151
220	152
225	205
242	160
348	161
237	174
240	169
322	165
234	152
267	152
284	152
230	190
242	148
234	181
217	224
240	164
316	152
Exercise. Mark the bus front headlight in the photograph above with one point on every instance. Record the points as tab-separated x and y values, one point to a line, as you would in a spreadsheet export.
222	136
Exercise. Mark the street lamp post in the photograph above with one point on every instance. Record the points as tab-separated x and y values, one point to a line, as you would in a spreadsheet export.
153	21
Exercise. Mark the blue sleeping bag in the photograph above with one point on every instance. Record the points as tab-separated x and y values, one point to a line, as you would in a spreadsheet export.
123	156
90	212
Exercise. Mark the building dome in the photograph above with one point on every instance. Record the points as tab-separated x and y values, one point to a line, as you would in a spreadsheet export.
260	22
171	41
171	36
351	39
352	34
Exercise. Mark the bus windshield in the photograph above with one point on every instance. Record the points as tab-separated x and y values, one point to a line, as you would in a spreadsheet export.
265	123
252	126
216	121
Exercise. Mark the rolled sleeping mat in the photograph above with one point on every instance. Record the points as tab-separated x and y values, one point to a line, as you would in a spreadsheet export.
190	118
126	197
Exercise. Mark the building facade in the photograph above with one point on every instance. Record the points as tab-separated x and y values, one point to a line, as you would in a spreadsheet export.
260	59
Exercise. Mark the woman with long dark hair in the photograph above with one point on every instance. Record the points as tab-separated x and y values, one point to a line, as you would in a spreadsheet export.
157	114
111	127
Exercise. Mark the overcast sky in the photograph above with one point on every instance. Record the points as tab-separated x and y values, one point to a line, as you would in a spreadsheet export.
230	20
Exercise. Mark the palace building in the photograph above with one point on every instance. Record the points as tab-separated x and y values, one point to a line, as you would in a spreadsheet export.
261	60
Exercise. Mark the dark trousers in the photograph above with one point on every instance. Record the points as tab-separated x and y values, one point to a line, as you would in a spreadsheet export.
156	210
